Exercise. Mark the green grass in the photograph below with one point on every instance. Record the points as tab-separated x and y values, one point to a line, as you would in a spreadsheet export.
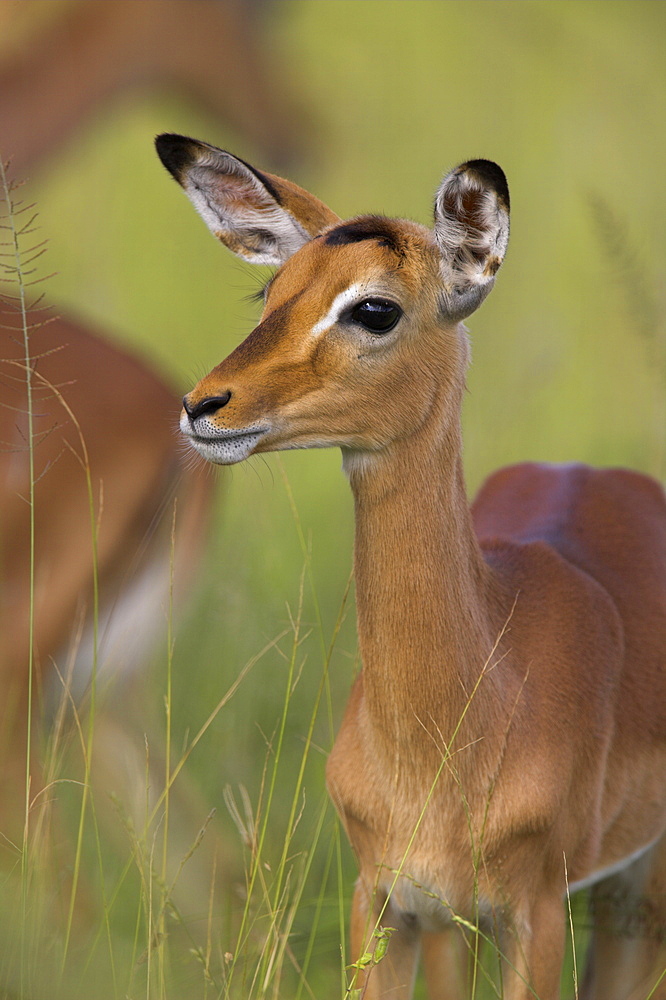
568	364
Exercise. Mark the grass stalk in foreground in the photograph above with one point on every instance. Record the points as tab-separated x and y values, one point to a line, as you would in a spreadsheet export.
15	271
22	275
281	899
327	653
161	928
94	525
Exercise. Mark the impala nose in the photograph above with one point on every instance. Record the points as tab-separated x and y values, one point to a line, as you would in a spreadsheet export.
211	404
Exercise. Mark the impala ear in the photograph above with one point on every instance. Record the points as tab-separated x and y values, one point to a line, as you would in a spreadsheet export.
261	218
472	230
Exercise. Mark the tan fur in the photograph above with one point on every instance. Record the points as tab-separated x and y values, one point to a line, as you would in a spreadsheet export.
510	715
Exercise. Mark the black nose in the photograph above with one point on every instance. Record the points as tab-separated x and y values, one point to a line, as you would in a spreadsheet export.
209	405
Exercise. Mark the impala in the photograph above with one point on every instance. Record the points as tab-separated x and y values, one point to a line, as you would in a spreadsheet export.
506	739
66	63
81	387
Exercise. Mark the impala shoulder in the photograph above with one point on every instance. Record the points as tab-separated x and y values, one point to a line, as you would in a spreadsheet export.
638	486
536	571
558	606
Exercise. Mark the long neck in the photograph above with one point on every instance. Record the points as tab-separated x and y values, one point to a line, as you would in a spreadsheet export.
424	623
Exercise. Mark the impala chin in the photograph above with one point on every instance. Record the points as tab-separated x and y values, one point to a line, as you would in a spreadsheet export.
229	449
223	447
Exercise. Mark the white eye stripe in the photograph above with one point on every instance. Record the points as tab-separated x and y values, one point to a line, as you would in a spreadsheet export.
340	303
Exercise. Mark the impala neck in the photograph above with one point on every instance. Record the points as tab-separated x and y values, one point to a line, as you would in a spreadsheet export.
422	589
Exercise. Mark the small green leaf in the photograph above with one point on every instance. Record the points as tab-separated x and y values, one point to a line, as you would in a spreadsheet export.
383	935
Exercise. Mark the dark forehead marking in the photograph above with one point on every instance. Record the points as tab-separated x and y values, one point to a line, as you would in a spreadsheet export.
367	227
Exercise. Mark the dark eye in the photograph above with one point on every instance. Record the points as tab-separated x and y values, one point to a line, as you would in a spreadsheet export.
376	315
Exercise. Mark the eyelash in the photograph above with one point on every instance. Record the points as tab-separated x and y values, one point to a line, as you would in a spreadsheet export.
259	295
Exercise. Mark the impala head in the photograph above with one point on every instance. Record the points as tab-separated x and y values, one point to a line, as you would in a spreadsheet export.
360	340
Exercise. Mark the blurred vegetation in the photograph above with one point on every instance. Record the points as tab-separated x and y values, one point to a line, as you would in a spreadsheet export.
569	352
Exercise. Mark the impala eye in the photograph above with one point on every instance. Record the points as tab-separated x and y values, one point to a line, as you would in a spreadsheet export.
376	315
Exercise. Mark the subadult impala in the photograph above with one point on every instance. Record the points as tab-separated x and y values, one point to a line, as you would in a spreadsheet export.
81	386
510	717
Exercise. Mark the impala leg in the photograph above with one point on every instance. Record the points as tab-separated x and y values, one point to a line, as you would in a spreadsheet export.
627	955
393	976
534	952
446	961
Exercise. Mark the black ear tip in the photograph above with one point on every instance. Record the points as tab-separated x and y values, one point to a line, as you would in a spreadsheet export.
175	152
490	174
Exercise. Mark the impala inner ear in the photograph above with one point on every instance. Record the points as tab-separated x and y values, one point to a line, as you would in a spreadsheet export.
472	231
260	217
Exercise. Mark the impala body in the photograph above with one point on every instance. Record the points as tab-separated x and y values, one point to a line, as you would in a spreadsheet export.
507	735
81	424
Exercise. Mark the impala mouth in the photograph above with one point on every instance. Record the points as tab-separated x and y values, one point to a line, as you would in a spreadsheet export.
222	447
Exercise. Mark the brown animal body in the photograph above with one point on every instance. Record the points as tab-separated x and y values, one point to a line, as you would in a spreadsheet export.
510	717
61	63
81	387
